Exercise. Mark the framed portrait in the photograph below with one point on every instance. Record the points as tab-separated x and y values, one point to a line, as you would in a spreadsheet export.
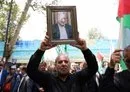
62	24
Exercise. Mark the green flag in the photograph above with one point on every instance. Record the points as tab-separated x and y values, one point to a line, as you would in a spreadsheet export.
124	19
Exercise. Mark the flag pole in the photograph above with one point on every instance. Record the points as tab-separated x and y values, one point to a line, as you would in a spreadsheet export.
120	43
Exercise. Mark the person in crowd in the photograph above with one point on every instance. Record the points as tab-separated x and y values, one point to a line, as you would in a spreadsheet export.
26	84
73	67
3	75
18	70
43	66
63	81
117	82
51	69
11	80
82	65
16	79
61	29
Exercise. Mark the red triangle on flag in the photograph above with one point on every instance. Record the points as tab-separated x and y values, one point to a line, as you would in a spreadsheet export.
124	7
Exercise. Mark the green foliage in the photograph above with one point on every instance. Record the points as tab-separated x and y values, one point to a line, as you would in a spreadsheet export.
16	13
4	13
16	21
94	34
40	5
2	19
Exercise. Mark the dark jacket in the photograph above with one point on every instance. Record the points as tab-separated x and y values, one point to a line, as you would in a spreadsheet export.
26	85
119	82
3	77
89	86
15	82
52	83
56	31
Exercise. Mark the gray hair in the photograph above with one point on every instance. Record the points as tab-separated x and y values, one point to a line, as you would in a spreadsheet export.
62	54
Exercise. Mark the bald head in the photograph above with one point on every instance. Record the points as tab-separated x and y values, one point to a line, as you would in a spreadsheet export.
62	64
58	58
62	18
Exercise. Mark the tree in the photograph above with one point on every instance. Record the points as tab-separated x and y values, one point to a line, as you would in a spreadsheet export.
16	25
94	34
40	5
4	12
9	11
17	30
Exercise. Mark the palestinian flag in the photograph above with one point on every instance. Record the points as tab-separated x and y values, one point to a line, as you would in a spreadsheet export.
124	19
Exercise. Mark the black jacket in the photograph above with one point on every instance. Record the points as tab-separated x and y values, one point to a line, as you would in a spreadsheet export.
56	31
119	82
52	83
89	86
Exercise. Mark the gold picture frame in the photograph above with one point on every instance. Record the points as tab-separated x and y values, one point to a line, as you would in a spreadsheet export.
62	24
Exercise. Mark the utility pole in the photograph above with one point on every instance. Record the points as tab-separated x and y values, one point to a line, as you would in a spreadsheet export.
6	35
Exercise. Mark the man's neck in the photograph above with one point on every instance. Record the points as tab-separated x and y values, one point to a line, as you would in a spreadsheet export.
63	77
61	25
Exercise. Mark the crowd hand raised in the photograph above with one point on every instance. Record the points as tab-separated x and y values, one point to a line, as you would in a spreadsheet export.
115	58
46	44
81	44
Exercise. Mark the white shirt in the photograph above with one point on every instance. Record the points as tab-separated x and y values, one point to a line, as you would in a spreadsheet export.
1	74
63	33
24	77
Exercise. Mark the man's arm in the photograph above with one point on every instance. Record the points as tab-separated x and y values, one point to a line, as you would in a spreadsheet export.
92	68
107	83
32	68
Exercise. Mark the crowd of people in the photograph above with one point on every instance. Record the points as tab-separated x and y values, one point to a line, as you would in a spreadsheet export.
65	76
